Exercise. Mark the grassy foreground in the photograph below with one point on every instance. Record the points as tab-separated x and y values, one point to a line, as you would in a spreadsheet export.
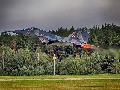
62	76
84	84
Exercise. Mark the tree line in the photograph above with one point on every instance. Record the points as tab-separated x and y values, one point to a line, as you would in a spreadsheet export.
105	36
18	54
26	63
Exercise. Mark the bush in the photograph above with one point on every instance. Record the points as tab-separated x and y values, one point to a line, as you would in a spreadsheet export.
97	63
25	62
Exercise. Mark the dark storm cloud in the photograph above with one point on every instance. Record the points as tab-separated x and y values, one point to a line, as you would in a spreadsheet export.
51	14
112	12
4	7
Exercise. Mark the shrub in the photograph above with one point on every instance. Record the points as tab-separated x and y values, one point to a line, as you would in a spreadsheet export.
25	62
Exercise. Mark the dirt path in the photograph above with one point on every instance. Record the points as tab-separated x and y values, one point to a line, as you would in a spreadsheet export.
63	79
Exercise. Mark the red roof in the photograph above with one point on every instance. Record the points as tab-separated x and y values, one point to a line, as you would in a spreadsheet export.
85	45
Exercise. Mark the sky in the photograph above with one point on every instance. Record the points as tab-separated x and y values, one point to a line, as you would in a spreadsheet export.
52	14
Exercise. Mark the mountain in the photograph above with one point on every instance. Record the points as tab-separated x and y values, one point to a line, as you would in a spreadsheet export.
78	37
37	32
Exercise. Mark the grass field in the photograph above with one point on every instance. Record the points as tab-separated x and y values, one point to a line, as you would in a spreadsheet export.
86	82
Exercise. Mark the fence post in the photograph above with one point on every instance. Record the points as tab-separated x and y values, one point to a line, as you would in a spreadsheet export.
3	61
54	58
38	56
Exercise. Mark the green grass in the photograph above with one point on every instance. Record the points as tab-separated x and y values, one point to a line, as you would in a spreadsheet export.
62	76
61	85
90	84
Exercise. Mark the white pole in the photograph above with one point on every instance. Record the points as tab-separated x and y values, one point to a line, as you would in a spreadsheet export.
54	58
38	56
3	59
54	66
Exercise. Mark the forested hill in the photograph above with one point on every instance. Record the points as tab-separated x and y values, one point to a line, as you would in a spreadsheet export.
107	35
22	55
63	32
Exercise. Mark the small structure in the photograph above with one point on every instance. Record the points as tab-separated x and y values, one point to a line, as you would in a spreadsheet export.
54	58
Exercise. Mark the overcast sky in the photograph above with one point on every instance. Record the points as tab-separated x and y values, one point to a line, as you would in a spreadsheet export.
52	14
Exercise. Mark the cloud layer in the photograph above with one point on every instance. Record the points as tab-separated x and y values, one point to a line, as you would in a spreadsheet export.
51	14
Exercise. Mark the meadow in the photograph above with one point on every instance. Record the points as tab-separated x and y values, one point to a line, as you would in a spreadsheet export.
61	82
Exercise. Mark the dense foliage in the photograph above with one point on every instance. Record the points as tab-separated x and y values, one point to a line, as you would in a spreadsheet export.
106	36
63	32
26	62
26	55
